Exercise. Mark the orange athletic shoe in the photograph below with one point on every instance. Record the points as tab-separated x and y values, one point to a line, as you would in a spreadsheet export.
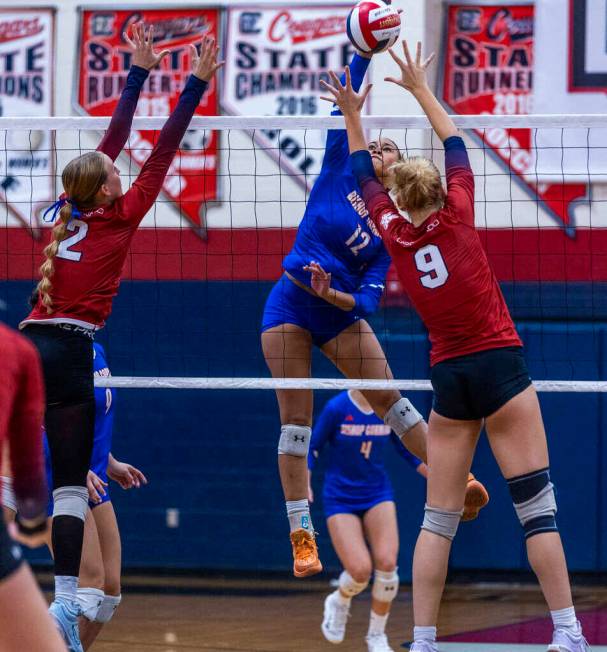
476	498
305	554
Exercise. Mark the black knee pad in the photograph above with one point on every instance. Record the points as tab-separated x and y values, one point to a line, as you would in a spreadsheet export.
534	501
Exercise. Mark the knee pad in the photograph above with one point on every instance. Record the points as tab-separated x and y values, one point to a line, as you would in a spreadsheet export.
294	440
108	608
385	585
534	502
8	495
402	416
441	522
348	586
90	601
71	501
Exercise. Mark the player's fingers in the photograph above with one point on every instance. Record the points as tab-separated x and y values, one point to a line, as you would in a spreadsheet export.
418	53
128	40
392	80
348	78
162	55
407	53
150	36
140	476
429	60
363	97
336	81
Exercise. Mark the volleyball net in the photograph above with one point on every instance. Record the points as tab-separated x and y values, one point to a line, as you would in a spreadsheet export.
189	310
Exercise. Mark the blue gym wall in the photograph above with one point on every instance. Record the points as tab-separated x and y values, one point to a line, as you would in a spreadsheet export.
212	454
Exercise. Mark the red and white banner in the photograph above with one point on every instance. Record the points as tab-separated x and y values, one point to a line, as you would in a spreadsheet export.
26	89
103	63
489	68
275	59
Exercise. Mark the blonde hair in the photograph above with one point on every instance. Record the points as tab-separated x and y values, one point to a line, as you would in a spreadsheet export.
81	178
417	184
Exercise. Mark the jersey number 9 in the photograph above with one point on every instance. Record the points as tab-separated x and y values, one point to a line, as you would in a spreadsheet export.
429	259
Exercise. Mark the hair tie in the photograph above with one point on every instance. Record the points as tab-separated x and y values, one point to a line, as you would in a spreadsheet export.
57	206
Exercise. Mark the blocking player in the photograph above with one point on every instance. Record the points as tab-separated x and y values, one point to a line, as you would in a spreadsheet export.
478	368
80	276
333	279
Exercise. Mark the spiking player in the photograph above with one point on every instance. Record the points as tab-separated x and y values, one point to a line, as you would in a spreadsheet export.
358	501
24	621
80	276
333	279
478	368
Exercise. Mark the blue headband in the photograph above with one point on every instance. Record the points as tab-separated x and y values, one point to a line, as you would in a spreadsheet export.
57	206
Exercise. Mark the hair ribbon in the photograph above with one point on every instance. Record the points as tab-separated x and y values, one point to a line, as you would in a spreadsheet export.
57	206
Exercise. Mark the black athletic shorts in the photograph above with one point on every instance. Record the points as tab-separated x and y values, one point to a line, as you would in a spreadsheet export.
10	552
475	386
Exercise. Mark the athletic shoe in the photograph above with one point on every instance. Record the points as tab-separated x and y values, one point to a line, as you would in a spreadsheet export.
335	618
66	615
423	646
378	643
476	498
305	554
563	640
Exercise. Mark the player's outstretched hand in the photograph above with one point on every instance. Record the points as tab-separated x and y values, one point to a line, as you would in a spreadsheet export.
347	99
205	64
126	475
413	73
143	46
96	487
320	281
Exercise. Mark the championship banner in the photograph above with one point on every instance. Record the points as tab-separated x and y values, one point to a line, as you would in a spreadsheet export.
103	65
26	89
275	58
489	68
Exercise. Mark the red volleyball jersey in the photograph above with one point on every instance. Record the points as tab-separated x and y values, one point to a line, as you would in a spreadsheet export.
443	267
88	265
21	417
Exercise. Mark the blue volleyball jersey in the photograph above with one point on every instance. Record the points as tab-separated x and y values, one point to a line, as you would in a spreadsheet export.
105	399
336	229
357	442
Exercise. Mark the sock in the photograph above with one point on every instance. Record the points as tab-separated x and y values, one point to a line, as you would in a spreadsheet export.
424	634
377	624
298	512
565	619
343	599
66	588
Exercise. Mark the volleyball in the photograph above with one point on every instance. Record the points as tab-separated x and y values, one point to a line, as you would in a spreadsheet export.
373	26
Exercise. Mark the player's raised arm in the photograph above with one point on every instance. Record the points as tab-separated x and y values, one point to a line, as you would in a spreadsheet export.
413	79
144	59
138	200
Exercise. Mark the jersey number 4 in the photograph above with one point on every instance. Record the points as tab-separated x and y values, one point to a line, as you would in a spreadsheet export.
429	259
365	449
64	250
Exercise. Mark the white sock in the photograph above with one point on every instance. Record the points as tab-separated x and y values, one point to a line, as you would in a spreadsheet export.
565	619
298	512
377	623
66	587
424	634
343	599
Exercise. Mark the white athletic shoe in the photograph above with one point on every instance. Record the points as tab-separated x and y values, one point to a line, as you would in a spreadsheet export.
563	640
423	646
378	643
334	619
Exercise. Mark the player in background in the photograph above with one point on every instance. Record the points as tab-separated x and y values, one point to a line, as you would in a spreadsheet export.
99	591
333	279
479	374
359	507
24	620
80	277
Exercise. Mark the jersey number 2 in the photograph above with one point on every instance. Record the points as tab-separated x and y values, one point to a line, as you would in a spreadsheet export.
429	259
64	250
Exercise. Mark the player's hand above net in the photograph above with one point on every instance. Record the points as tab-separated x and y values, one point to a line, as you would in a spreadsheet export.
142	43
413	73
205	64
347	99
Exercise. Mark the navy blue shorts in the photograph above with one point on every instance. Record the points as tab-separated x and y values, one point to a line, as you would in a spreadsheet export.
475	386
10	552
287	303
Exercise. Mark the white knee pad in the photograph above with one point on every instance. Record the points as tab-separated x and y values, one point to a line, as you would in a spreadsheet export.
8	495
294	440
90	601
71	501
108	608
348	586
402	416
441	522
385	585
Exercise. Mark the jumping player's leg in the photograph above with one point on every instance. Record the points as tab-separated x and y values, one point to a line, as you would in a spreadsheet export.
518	441
381	529
348	539
451	445
288	352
